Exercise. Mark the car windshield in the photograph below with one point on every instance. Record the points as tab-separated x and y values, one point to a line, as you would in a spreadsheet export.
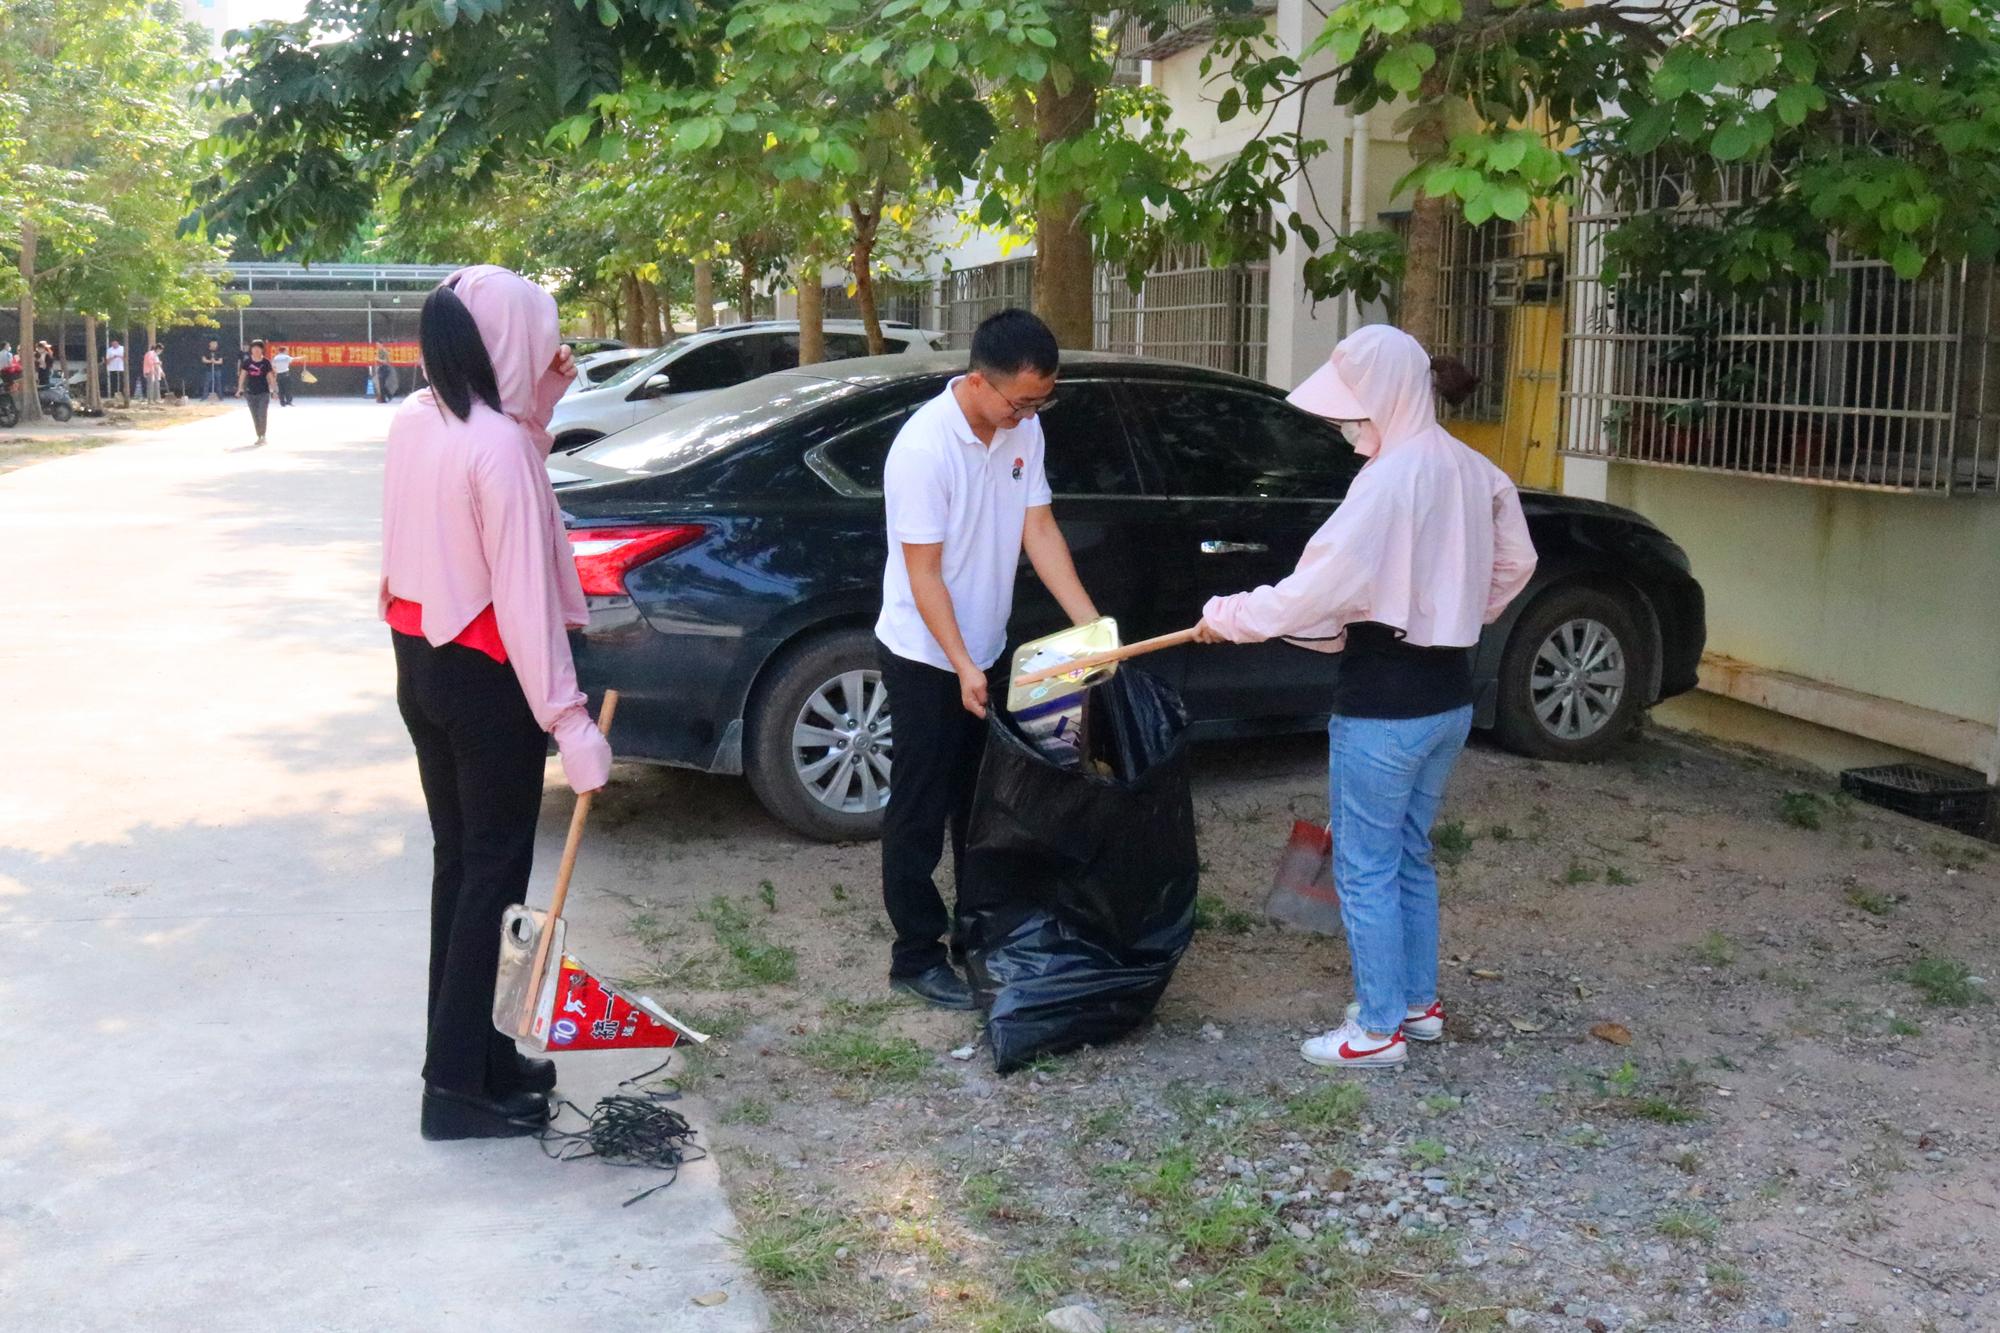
683	436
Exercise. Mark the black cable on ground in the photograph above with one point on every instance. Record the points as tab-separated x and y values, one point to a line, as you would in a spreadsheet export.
636	1128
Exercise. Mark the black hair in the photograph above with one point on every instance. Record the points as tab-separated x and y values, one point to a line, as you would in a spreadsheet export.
1453	379
1012	341
455	358
256	342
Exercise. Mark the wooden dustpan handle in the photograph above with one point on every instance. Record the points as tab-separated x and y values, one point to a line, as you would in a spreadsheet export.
563	872
1107	657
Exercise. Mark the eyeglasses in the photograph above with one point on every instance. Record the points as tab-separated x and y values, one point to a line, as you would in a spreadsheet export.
1029	408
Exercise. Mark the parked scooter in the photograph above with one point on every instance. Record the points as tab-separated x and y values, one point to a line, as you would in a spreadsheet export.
10	410
55	399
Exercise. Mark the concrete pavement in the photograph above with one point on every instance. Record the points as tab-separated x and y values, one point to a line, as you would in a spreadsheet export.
213	874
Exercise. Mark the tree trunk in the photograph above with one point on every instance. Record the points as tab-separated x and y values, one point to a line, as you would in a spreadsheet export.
92	399
662	329
31	403
1064	274
635	311
866	224
596	320
812	314
704	293
746	287
1423	249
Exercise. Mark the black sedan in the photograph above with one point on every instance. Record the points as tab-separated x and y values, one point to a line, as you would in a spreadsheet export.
732	551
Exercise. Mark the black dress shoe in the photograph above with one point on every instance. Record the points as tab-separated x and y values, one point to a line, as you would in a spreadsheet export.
461	1115
526	1074
939	986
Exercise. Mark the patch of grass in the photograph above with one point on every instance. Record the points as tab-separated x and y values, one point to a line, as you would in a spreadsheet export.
753	960
1958	856
1869	901
1716	949
1945	982
1500	833
1211	913
749	1111
1804	809
840	893
1728	1282
767	894
861	1054
1580	872
1618	878
1103	1123
1661	1111
1902	1027
795	1249
1441	1103
1430	1152
1688	1224
1327	1106
1450	843
1688	1162
863	1013
649	931
1586	1136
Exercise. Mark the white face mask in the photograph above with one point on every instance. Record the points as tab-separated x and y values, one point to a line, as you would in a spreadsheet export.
1365	436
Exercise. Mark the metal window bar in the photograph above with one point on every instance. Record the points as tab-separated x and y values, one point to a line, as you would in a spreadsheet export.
1470	326
895	301
968	295
1189	311
1182	28
1892	387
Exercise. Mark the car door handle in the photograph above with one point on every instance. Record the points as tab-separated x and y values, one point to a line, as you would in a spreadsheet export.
1233	548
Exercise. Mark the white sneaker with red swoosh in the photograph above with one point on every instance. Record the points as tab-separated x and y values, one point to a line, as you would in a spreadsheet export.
1418	1024
1350	1047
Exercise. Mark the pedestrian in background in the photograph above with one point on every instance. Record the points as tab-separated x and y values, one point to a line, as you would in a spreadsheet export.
211	370
114	371
153	371
281	369
479	591
253	382
383	370
45	360
1428	545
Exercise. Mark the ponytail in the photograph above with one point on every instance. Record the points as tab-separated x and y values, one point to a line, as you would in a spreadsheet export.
455	357
1453	379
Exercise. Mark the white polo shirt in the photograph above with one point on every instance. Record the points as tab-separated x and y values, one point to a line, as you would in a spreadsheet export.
941	484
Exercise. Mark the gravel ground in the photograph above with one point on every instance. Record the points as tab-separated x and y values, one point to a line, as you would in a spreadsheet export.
1716	1060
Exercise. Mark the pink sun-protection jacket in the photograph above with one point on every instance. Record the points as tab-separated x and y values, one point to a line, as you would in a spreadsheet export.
1430	539
469	519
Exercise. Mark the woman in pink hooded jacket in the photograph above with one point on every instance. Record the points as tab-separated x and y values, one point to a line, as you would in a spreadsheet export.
479	588
1428	546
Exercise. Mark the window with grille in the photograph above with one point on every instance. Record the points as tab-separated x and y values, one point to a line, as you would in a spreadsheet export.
1859	379
1187	310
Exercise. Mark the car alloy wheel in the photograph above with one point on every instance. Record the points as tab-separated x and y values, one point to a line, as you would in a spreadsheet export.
841	743
1578	679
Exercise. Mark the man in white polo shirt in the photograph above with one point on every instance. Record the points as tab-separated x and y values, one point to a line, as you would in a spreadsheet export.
965	494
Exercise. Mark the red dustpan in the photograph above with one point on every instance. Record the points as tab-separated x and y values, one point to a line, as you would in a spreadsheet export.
1302	892
546	999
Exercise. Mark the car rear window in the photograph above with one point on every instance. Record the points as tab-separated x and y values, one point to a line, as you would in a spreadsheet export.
683	436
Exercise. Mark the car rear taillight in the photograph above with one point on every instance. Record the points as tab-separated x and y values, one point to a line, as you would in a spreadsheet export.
604	556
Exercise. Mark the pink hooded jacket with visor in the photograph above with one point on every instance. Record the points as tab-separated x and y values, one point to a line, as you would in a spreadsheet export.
469	519
1430	539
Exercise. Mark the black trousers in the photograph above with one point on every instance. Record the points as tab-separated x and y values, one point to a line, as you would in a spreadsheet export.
260	413
481	757
938	748
284	378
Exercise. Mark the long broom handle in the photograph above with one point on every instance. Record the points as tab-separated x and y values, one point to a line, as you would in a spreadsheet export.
1107	657
563	872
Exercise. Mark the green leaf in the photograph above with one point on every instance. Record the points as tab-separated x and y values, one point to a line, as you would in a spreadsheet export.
1042	37
1403	68
1479	206
1031	68
1510	202
1908	261
919	57
1391	19
690	136
611	148
1506	155
607	13
1232	102
1734	142
993	210
1648	129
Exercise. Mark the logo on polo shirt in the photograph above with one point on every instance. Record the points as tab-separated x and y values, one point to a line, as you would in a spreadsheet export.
1017	469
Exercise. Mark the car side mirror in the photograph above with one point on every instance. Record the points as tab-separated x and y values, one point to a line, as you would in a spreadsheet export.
658	385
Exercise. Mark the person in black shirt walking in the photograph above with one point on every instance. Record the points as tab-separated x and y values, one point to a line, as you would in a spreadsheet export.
253	380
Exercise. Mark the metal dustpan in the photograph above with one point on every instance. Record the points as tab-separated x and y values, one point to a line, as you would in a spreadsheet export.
546	999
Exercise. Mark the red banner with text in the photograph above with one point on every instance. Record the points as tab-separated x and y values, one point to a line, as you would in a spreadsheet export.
346	354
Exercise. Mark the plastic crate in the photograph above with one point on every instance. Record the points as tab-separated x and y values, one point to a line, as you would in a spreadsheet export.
1924	793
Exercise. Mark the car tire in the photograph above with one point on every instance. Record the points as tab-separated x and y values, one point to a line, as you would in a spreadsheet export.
1573	676
828	686
571	441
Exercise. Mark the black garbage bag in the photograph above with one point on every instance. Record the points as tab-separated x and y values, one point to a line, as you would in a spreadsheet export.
1076	894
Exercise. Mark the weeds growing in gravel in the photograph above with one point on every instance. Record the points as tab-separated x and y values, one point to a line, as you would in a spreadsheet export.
1688	1224
794	1249
858	1053
1211	913
1326	1107
1943	981
1450	842
1716	949
753	960
1871	902
749	1111
1803	809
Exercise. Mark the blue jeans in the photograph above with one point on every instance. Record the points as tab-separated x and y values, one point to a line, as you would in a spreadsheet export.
1386	782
